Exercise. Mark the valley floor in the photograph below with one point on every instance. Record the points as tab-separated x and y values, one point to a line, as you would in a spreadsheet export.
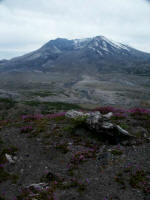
115	89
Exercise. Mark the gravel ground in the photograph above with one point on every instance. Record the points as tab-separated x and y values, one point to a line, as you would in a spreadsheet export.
81	165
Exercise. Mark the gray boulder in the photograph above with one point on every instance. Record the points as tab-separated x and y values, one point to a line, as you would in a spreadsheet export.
101	125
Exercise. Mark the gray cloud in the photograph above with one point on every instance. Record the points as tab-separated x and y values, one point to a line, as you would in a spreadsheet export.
26	25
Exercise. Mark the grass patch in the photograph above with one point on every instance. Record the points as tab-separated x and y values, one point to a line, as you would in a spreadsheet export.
4	176
69	128
42	93
2	198
120	179
1	141
135	177
140	116
116	152
124	126
53	105
62	147
7	103
73	183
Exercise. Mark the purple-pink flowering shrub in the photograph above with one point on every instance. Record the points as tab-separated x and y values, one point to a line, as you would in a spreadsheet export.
123	113
29	118
26	129
1	165
107	109
140	179
136	177
117	150
81	185
120	115
139	111
80	157
56	115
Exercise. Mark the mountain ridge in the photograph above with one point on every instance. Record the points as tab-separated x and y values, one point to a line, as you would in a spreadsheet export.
62	54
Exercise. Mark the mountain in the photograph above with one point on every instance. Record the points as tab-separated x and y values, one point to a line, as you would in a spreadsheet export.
86	71
90	55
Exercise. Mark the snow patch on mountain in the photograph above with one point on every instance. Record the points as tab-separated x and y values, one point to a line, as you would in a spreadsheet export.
99	44
115	44
79	43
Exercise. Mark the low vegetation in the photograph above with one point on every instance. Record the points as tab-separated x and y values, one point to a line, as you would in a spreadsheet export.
67	158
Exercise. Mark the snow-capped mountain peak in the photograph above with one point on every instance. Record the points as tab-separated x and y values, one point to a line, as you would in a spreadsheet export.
67	54
101	45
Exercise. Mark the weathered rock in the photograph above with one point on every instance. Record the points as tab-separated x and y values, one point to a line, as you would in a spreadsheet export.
73	114
10	159
103	157
100	124
113	133
37	186
107	125
122	131
33	190
93	119
108	116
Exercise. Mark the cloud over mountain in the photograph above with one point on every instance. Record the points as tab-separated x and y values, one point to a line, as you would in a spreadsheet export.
26	25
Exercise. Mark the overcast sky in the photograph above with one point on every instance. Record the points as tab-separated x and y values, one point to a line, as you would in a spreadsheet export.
25	25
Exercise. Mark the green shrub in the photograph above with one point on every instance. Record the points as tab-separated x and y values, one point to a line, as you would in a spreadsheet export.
7	103
53	105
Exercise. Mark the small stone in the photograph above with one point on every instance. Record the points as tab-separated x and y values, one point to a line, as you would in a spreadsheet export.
15	158
38	186
104	158
9	158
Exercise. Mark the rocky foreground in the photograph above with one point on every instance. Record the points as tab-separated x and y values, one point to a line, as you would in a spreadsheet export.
62	152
